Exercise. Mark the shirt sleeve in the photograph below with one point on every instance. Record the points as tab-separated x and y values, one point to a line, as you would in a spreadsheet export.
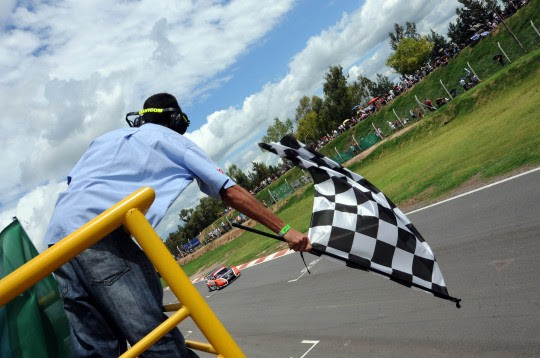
209	176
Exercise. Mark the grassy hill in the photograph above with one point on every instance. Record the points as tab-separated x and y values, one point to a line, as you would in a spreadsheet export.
490	130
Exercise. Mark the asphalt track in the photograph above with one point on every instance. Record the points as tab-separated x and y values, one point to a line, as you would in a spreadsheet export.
488	247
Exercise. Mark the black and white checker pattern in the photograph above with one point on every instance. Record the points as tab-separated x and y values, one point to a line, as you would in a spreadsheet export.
354	221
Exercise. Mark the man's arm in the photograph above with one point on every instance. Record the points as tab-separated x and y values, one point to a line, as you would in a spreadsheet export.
241	200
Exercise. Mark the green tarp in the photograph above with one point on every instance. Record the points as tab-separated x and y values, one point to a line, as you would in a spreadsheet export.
368	141
282	191
33	324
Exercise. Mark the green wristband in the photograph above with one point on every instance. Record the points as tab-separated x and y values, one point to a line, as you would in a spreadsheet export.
285	229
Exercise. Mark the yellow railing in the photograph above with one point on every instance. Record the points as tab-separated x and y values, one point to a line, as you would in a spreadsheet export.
130	213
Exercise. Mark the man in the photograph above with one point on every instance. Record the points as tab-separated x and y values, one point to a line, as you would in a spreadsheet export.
111	291
463	84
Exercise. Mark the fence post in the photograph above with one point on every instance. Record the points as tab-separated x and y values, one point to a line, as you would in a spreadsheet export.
354	139
399	119
511	33
338	153
270	192
376	133
468	64
504	53
290	186
420	104
534	27
443	86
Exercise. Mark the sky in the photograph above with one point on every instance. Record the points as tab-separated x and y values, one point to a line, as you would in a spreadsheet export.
71	70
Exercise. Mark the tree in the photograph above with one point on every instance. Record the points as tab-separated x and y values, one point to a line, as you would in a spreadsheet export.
239	177
308	128
317	104
410	31
303	108
337	101
400	33
410	55
174	240
438	41
381	86
396	36
473	14
277	130
359	90
260	172
198	218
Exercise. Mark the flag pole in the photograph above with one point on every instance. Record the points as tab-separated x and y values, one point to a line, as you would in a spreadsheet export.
273	236
504	53
263	233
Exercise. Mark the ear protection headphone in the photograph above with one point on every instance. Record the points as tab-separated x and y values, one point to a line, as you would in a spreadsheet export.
178	120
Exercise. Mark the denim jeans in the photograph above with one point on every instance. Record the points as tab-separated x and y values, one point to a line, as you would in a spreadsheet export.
112	294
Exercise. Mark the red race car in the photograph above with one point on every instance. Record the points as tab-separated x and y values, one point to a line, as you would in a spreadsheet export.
221	277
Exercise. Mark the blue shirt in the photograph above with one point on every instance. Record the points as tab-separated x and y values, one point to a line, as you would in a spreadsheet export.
122	161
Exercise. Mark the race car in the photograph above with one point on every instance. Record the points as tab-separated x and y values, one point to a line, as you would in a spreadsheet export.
221	277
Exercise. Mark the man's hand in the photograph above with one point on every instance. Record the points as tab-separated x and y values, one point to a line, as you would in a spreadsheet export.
297	241
241	200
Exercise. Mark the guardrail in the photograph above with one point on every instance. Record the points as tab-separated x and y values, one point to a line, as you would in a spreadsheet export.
130	213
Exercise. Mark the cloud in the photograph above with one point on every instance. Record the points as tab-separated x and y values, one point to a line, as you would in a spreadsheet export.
33	211
74	68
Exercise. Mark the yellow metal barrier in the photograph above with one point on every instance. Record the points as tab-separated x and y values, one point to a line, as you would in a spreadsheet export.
129	212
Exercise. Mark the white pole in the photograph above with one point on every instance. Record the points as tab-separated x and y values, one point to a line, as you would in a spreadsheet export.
270	192
354	139
534	27
338	153
443	86
395	114
376	131
290	186
420	104
399	119
468	64
504	53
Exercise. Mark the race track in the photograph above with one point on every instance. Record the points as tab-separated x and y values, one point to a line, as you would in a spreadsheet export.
488	247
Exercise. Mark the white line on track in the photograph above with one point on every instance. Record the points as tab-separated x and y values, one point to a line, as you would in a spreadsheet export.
473	191
313	346
304	270
211	294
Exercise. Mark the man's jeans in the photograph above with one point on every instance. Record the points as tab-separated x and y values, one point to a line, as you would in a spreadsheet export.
111	294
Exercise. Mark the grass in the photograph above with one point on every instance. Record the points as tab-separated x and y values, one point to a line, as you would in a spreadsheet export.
487	131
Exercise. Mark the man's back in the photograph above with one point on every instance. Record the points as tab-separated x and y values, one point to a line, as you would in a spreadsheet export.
120	162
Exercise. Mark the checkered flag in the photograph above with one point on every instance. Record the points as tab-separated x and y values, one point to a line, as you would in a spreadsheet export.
355	222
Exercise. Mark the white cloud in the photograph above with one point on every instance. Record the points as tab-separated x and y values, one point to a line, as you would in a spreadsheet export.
74	69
